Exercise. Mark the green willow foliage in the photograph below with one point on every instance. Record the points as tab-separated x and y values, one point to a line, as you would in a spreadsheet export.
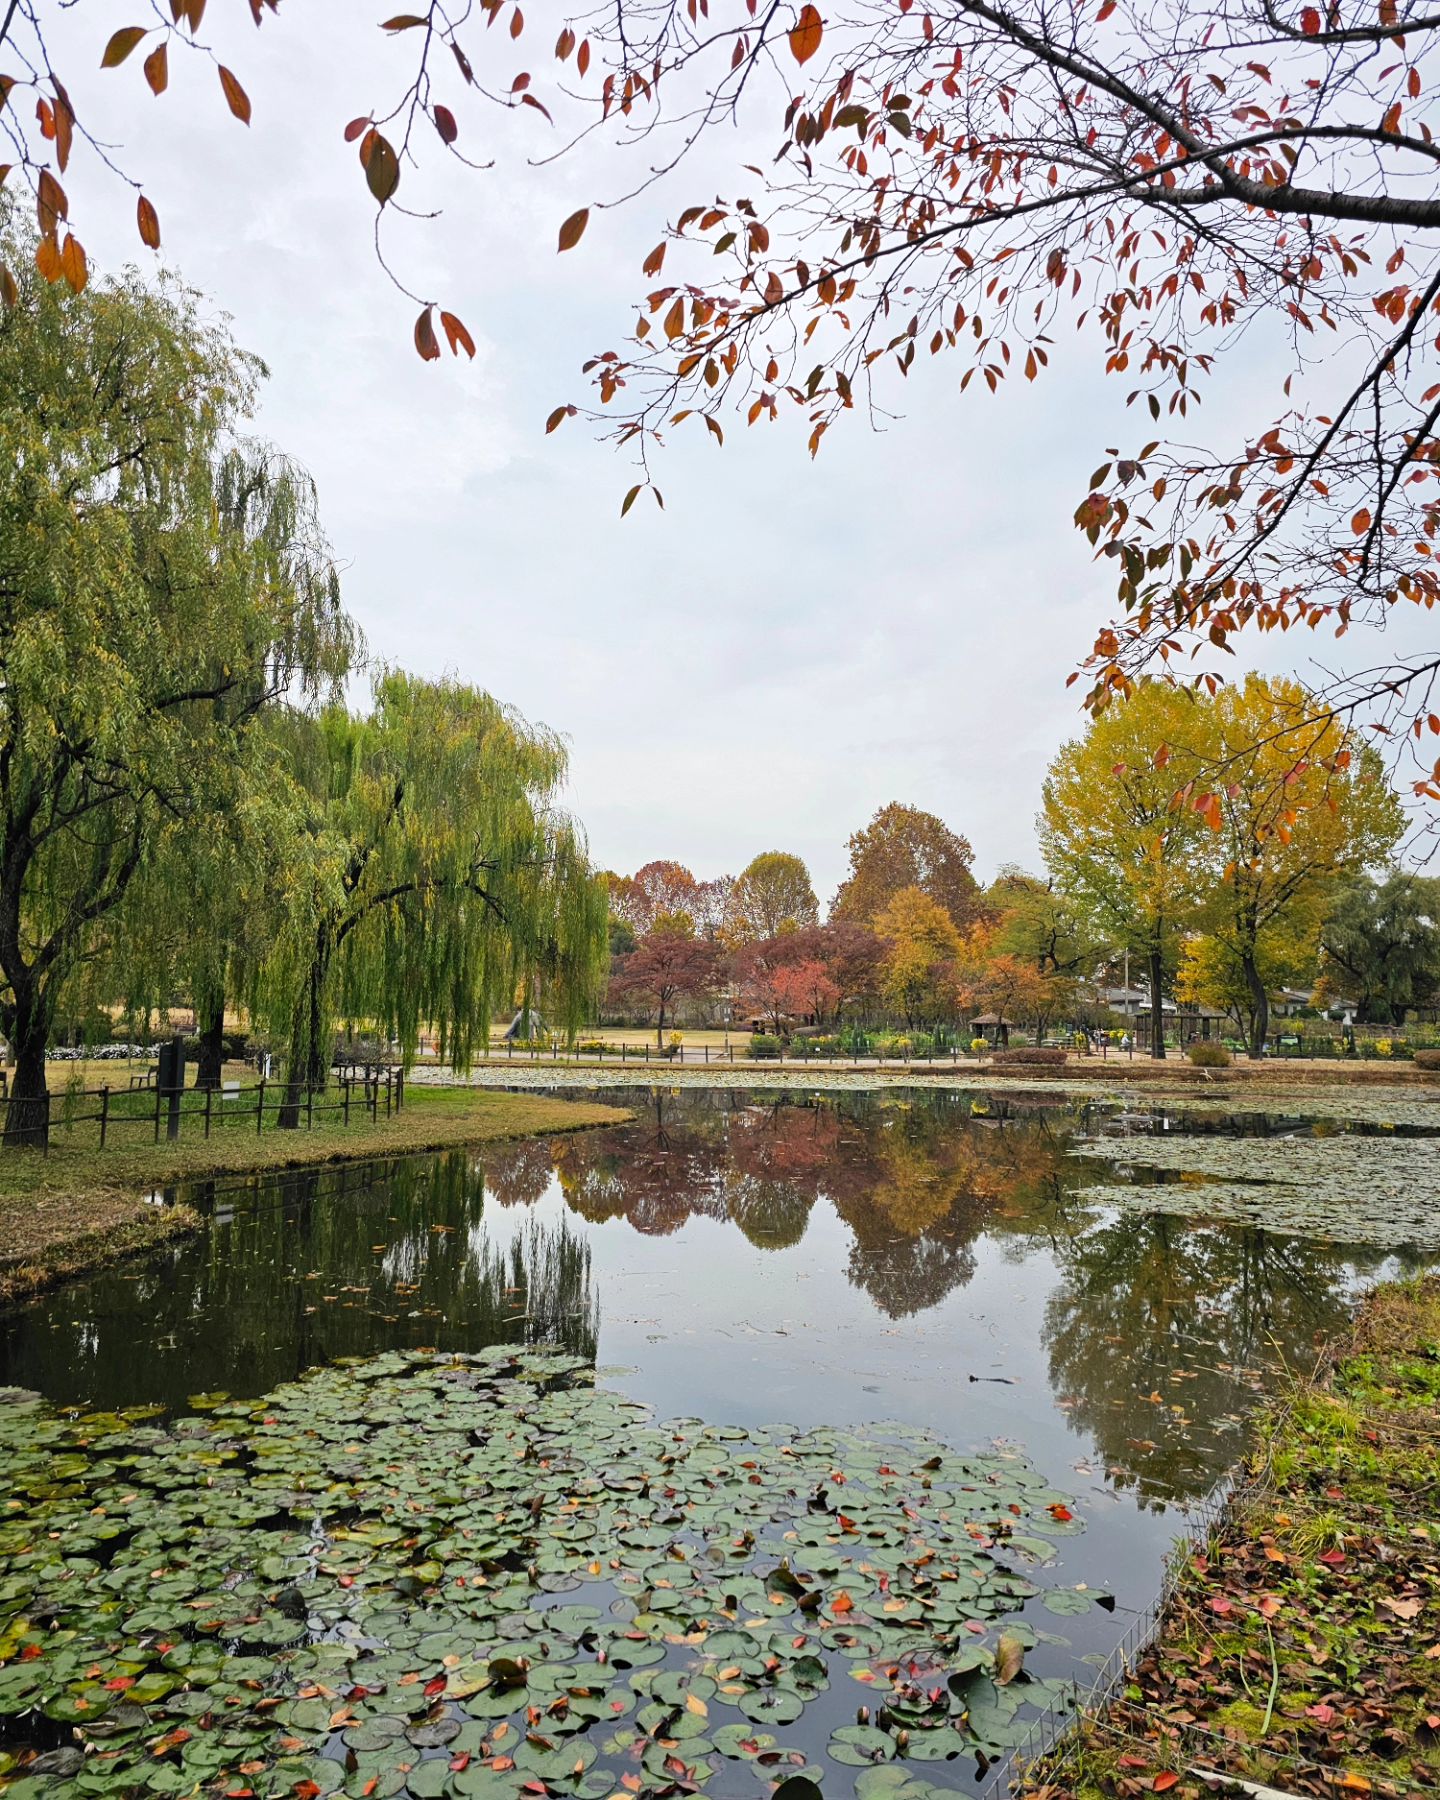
141	634
186	805
441	880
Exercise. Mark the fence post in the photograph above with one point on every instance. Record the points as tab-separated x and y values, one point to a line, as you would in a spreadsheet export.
388	1079
346	1101
209	1095
104	1113
260	1109
400	1090
647	1051
158	1091
309	1106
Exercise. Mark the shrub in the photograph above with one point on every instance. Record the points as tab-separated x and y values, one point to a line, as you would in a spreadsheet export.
592	1046
1427	1059
1207	1054
763	1046
1033	1054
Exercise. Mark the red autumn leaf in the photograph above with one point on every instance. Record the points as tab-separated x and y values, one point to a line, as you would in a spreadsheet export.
157	69
235	96
459	339
445	124
805	34
842	1603
425	340
352	131
436	1685
1221	1605
149	223
1062	1513
1164	1781
573	229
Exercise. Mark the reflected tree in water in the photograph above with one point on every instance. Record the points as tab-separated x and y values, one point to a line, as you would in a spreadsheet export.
316	1265
1159	1332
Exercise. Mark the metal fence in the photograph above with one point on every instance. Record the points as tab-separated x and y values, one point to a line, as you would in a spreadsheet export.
128	1115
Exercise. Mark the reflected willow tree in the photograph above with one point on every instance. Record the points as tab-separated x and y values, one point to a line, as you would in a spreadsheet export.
313	1265
1157	1331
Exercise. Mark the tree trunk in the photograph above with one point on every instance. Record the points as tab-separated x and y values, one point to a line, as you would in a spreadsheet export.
1157	1005
660	1026
27	1118
1259	1005
209	1064
306	1053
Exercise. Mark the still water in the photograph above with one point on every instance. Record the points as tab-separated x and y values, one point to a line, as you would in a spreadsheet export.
748	1258
756	1258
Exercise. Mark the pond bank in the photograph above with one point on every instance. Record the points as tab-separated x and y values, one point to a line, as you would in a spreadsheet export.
77	1210
1300	1647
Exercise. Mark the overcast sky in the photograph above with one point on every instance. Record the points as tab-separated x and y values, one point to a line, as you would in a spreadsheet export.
789	645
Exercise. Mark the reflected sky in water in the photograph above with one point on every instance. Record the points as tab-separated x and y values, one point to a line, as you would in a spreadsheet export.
756	1258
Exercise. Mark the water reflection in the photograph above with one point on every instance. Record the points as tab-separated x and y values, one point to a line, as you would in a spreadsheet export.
751	1256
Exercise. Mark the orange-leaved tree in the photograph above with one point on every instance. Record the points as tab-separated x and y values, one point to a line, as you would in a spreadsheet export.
967	177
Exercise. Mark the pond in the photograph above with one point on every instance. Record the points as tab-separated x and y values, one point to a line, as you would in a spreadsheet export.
871	1284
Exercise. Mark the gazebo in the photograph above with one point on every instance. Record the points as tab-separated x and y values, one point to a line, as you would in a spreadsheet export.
994	1027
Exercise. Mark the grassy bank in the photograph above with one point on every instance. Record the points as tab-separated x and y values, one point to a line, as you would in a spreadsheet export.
1301	1647
81	1207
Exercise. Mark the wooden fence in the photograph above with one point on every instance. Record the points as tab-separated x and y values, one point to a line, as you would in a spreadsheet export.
126	1115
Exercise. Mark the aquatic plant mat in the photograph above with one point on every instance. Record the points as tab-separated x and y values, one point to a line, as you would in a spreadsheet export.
1335	1188
1300	1649
434	1575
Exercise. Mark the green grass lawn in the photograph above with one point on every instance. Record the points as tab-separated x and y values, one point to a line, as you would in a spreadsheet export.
79	1205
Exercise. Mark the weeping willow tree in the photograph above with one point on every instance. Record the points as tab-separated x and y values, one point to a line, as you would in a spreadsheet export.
140	634
209	905
442	879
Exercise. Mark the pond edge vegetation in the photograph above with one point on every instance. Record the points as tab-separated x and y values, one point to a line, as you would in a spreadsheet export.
1289	1649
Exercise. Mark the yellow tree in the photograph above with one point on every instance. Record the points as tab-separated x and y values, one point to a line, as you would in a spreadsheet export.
1114	836
923	948
1292	800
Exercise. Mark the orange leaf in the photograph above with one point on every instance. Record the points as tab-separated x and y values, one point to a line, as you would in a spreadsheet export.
573	229
148	221
121	44
1360	524
652	263
1165	1781
842	1603
560	413
235	96
157	69
425	341
805	34
73	265
9	289
458	337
